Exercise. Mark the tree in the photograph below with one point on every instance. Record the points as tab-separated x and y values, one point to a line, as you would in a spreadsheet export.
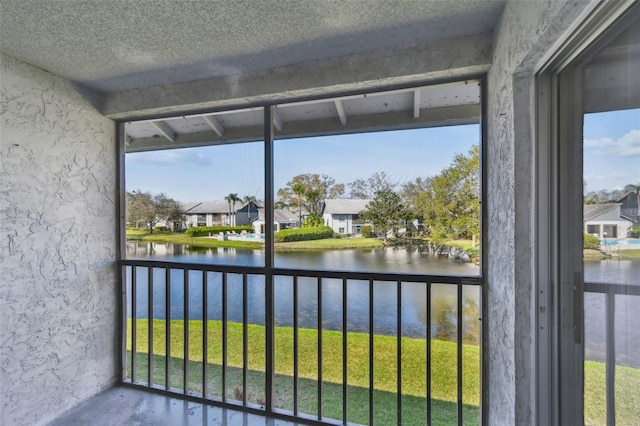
386	212
152	209
365	189
312	221
232	199
310	192
298	189
449	202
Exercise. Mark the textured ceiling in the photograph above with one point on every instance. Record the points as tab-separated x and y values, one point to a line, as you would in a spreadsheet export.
112	45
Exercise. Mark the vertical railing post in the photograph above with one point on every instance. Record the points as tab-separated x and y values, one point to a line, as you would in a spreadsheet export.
345	363
428	350
245	338
610	311
134	325
224	337
371	354
459	354
185	316
296	366
205	332
319	281
167	325
399	349
150	326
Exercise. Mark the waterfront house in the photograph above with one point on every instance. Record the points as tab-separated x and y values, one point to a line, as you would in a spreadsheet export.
606	221
208	213
282	219
630	209
342	215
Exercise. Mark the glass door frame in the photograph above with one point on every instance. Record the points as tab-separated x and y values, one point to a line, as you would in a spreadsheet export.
559	201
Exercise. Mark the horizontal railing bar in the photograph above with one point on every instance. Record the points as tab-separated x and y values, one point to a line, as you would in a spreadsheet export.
350	275
632	290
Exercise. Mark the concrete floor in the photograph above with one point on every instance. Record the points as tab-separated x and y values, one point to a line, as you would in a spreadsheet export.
126	406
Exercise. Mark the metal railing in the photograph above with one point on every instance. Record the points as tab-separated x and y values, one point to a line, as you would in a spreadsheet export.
197	319
610	292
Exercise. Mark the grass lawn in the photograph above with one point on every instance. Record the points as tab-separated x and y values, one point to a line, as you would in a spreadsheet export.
331	244
385	400
443	373
179	238
630	254
325	244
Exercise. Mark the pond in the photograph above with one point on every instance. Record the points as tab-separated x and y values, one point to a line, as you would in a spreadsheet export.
414	295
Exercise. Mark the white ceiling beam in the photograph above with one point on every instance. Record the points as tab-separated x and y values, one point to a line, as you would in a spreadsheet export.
215	125
341	113
166	131
416	103
277	120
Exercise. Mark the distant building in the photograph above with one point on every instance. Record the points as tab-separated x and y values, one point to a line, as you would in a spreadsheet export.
629	208
342	215
209	213
605	220
247	214
282	219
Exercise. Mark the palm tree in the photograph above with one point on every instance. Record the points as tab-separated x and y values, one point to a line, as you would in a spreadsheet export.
249	199
299	189
232	198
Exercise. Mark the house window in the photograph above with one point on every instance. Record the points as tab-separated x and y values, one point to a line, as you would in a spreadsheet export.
593	229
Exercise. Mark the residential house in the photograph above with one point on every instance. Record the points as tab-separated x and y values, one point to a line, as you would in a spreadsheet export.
246	214
342	215
605	221
282	219
75	75
209	213
630	209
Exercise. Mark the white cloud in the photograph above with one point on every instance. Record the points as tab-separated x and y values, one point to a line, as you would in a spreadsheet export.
627	146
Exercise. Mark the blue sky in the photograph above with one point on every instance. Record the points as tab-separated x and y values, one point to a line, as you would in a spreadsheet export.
210	173
611	159
611	149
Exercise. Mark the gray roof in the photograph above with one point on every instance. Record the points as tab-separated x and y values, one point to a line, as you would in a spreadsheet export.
211	207
591	211
344	206
279	215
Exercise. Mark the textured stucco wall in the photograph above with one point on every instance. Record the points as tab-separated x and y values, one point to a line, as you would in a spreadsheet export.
527	32
58	216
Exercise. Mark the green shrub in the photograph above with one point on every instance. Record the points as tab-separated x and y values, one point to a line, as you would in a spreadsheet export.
204	231
634	232
366	231
591	242
312	221
303	234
